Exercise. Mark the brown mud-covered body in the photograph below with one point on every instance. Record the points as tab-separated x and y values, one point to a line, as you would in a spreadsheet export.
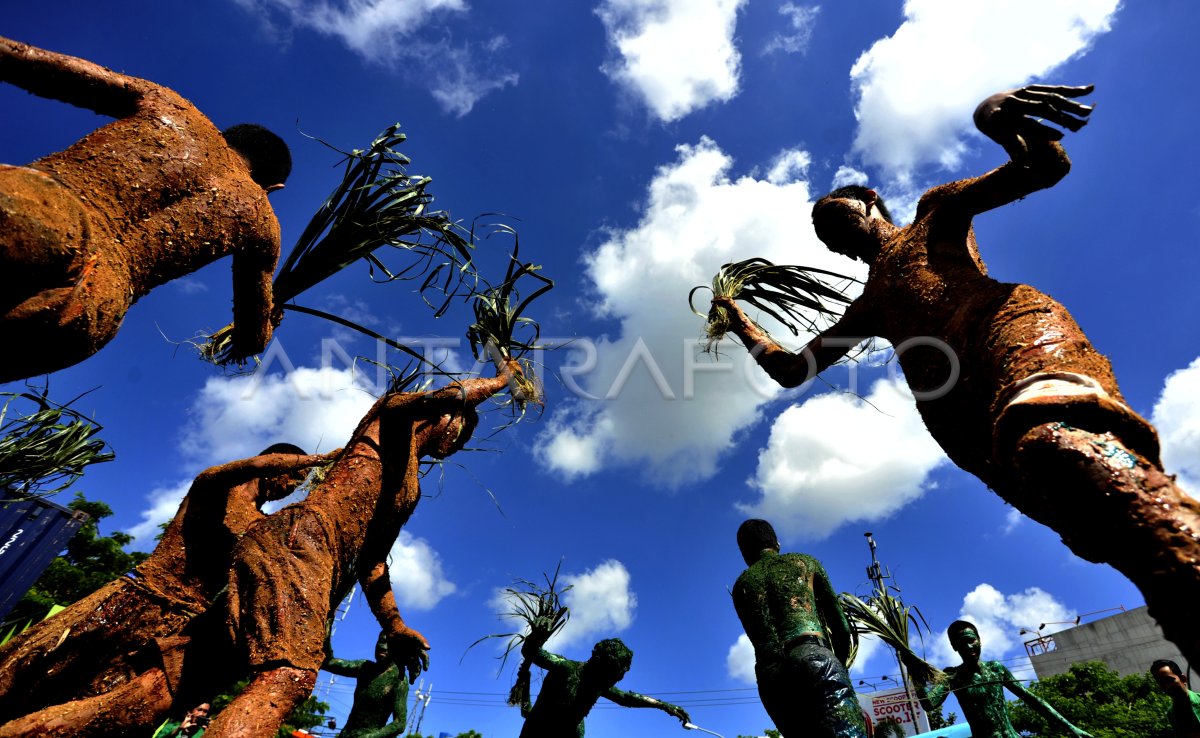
150	197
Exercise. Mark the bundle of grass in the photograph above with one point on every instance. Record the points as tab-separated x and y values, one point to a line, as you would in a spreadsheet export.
540	612
887	618
45	450
795	296
501	329
376	204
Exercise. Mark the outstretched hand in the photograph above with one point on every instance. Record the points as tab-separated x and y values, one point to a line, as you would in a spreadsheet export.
1014	118
679	713
410	651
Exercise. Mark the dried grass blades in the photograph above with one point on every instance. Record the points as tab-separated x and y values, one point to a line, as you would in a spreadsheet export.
793	295
502	330
376	204
45	451
887	618
541	614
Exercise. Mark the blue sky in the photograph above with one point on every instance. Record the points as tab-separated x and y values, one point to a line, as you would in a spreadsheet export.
639	144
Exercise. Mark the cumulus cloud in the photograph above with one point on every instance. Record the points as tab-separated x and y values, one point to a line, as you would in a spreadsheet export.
802	19
917	88
1177	417
387	32
739	661
417	577
601	602
236	417
1000	618
837	458
675	55
657	395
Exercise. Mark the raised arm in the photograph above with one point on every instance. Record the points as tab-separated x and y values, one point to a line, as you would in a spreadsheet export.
633	699
260	467
70	79
931	696
406	647
1014	119
786	368
1039	705
457	394
343	667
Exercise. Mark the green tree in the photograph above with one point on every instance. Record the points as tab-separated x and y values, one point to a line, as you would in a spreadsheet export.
308	714
939	720
1099	701
468	734
90	561
769	733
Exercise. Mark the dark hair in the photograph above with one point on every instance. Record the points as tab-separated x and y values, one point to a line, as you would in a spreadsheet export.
753	536
1174	667
958	626
282	448
269	158
614	651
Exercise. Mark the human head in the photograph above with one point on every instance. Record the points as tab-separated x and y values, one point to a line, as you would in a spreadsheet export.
1169	677
447	434
755	536
381	648
266	154
282	485
964	639
610	660
840	220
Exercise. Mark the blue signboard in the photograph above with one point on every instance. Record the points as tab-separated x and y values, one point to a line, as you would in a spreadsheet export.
32	534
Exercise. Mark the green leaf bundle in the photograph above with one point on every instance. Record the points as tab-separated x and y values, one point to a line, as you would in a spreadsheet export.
46	450
888	618
793	295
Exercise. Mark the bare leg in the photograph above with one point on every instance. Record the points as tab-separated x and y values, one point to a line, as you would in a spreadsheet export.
265	703
133	709
1112	506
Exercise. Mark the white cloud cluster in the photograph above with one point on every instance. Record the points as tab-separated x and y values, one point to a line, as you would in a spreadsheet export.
1000	618
917	88
1177	417
802	19
839	458
675	55
385	32
417	577
663	404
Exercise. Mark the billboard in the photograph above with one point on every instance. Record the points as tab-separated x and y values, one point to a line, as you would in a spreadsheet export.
32	534
894	705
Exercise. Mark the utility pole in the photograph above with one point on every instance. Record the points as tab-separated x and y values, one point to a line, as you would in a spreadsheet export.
876	573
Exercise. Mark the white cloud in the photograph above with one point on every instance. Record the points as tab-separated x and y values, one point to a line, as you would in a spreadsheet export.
837	458
237	417
601	602
676	55
390	32
658	394
788	166
802	19
739	662
417	577
1177	417
917	88
846	176
1000	618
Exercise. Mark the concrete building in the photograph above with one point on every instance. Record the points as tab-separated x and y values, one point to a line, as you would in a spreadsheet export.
1128	642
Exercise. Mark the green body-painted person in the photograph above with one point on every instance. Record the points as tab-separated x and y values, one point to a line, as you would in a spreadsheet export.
801	639
571	689
380	694
1185	704
979	687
